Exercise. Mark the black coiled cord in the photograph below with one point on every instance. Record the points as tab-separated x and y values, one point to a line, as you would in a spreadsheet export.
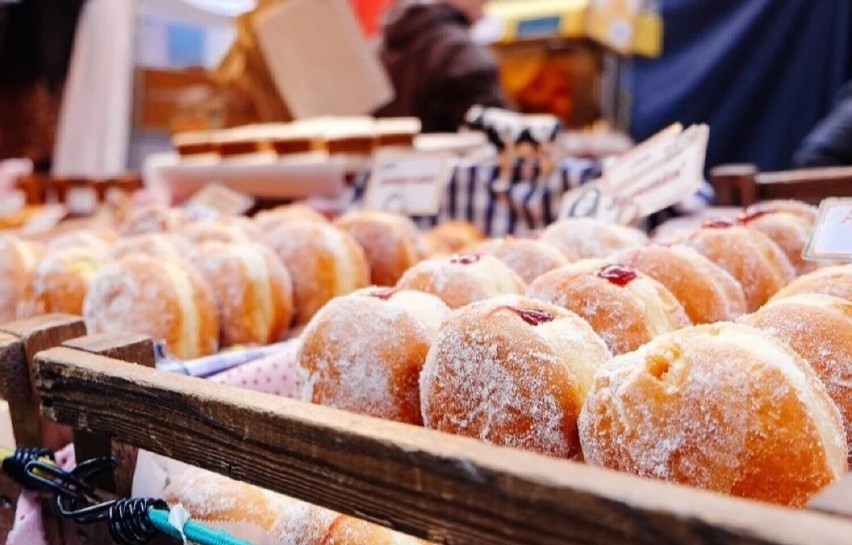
128	520
15	466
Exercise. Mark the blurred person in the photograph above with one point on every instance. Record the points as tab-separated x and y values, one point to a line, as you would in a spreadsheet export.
830	142
437	70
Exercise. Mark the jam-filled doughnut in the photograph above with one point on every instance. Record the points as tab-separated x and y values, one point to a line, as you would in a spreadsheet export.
462	279
268	220
512	371
583	238
624	306
801	209
18	265
529	258
819	328
452	237
165	245
390	242
707	292
835	280
751	257
789	231
252	290
323	262
363	352
61	281
97	239
166	299
237	230
723	407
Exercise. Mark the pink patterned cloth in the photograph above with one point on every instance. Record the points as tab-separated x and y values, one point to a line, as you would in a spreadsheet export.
28	528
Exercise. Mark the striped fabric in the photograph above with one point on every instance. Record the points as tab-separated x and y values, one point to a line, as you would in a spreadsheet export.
522	202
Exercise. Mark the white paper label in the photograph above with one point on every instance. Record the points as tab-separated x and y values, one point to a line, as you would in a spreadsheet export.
831	238
408	184
81	201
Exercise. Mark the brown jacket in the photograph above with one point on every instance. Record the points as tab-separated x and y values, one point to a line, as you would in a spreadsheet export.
437	71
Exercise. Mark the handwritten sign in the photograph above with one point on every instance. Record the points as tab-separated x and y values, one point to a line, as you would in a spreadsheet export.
408	183
659	173
831	239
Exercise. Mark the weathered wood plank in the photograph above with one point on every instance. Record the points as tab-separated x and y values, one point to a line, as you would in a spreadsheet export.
448	489
15	387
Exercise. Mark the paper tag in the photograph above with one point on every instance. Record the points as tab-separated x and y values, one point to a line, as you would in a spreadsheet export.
220	199
831	239
408	183
666	170
81	201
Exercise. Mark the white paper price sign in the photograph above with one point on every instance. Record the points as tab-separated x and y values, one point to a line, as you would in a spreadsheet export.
408	184
661	172
831	239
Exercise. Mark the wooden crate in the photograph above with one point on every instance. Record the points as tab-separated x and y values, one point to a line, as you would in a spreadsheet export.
445	488
742	185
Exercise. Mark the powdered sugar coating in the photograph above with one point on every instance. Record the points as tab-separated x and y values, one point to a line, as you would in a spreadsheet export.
708	292
61	281
723	407
836	281
364	354
164	245
819	328
790	232
581	238
459	284
529	258
492	376
748	255
269	220
154	219
98	240
18	262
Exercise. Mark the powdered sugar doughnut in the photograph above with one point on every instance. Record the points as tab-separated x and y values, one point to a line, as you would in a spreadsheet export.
226	229
390	242
269	220
724	407
462	279
789	231
819	328
252	290
456	236
162	298
750	256
363	352
529	258
582	238
323	262
801	209
61	281
99	240
163	245
707	292
511	371
153	219
351	531
624	306
836	280
17	271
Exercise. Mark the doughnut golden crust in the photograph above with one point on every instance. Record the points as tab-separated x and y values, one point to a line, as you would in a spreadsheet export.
61	281
363	352
819	328
707	292
584	238
456	236
624	306
748	255
252	290
789	231
462	279
788	206
268	220
511	371
529	258
18	262
162	298
323	262
163	245
836	280
351	531
723	407
390	242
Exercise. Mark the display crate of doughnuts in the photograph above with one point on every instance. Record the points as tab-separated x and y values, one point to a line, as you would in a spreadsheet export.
431	485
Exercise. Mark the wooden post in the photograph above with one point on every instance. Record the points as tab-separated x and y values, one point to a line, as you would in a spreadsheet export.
734	185
445	488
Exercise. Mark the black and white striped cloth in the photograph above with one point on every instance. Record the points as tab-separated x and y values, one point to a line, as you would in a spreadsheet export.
522	202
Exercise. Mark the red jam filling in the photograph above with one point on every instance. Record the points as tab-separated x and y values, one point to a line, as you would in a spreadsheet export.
384	294
620	275
753	212
465	259
718	223
531	316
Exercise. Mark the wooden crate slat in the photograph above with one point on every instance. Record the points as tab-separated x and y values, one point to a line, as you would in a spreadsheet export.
743	185
448	489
